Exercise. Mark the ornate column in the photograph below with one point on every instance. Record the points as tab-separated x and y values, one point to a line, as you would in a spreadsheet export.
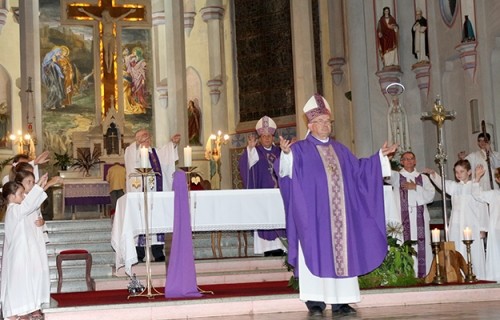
213	15
29	27
4	12
176	116
336	28
303	59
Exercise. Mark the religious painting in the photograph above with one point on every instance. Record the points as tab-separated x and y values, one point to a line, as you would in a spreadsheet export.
449	9
137	78
67	75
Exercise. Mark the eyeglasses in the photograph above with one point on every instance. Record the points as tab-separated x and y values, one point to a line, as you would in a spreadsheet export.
323	122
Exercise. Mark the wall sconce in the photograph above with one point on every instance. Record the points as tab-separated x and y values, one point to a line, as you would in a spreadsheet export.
23	140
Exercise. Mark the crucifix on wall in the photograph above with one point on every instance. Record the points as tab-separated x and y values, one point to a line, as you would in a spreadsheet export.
110	18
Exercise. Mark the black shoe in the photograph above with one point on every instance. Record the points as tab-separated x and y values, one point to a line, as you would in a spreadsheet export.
344	309
160	259
315	312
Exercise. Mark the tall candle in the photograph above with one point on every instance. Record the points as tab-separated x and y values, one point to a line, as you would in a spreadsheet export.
467	234
144	157
188	156
436	235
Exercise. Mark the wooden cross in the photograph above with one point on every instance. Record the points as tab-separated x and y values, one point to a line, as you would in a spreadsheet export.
110	18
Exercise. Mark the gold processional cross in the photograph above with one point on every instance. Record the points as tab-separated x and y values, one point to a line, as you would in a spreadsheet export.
439	115
110	18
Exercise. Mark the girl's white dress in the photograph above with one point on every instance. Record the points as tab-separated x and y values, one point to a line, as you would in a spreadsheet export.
466	211
25	271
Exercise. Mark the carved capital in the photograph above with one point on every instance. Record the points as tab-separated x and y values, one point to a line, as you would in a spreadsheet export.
212	13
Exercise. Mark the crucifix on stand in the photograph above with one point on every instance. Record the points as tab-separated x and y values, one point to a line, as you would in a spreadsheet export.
445	251
110	18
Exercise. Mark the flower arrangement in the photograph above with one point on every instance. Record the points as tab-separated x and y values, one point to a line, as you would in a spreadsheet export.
63	160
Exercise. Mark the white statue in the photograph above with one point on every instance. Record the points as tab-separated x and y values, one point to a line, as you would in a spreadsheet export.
398	126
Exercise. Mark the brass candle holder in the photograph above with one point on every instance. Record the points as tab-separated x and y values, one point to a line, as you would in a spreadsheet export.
438	278
149	291
470	276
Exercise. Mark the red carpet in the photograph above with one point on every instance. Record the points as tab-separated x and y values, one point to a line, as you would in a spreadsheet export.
90	298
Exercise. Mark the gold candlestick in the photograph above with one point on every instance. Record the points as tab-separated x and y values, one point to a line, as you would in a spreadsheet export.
470	276
438	278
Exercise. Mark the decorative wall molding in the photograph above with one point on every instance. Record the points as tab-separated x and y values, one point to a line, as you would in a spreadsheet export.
468	56
337	73
423	76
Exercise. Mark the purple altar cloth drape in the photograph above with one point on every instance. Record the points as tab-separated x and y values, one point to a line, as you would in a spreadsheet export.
181	273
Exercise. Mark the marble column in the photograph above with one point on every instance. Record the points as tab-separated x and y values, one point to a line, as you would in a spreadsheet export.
175	115
303	59
213	15
30	65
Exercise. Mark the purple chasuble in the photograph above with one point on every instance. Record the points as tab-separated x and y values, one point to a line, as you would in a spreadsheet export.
181	275
260	176
335	208
405	217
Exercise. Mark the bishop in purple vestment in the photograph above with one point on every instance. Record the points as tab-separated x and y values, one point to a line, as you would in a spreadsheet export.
256	167
334	212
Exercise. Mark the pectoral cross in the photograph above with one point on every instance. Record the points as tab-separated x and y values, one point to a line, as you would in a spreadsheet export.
110	18
439	115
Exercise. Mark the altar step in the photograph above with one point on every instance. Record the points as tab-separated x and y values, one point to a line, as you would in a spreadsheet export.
212	271
95	236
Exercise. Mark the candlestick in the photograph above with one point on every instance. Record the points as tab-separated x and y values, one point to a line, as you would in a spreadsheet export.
436	235
188	156
470	276
438	278
144	157
467	234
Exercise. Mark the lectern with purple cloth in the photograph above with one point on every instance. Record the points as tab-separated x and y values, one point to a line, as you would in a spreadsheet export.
181	273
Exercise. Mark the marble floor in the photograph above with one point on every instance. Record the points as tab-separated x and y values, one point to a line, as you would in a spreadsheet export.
455	311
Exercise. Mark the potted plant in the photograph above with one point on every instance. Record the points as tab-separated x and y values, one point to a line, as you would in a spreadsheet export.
63	160
87	160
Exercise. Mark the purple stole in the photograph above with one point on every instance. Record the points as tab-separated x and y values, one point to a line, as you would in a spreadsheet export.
405	218
156	166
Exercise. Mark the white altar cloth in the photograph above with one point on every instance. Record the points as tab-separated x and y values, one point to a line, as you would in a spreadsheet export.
211	210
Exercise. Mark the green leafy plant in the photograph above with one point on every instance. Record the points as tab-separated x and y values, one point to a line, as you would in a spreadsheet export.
63	160
397	268
293	282
87	160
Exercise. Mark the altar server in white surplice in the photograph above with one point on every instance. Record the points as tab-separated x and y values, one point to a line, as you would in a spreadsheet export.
412	192
466	212
162	161
492	197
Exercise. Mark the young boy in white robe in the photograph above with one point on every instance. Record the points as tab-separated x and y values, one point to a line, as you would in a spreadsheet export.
466	212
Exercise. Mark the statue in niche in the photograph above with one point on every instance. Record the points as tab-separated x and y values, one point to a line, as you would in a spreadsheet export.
112	139
108	38
468	31
398	126
194	124
387	31
419	36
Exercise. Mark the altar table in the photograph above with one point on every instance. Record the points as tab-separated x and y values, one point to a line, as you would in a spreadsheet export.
86	192
211	210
